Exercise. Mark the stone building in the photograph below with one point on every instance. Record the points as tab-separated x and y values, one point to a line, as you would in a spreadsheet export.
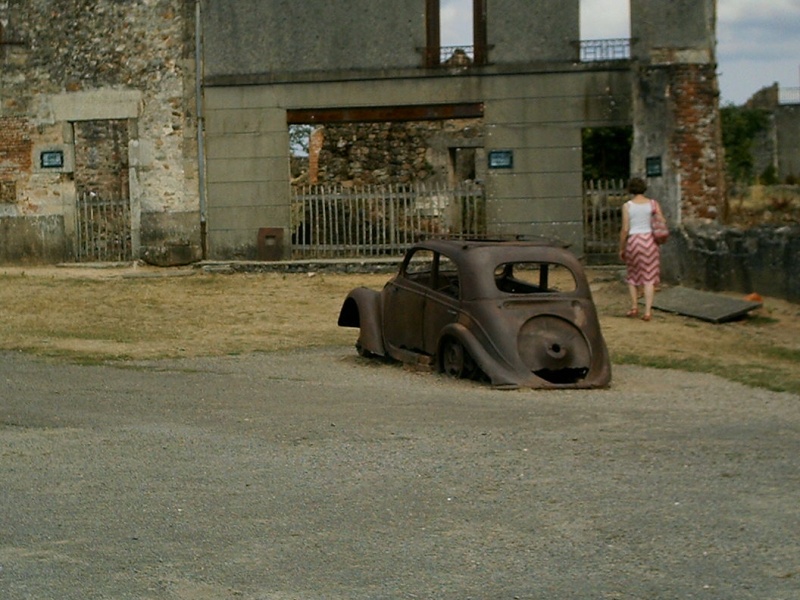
97	100
100	99
778	147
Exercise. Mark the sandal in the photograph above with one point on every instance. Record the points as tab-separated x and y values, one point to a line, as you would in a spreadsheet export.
647	317
632	313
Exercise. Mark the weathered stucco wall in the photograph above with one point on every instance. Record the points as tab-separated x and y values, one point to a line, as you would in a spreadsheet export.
276	40
521	32
280	37
248	175
93	60
536	99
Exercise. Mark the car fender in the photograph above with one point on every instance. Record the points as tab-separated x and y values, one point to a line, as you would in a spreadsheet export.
499	374
362	309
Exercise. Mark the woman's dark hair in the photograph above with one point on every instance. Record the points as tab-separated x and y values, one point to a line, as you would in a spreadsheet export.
637	186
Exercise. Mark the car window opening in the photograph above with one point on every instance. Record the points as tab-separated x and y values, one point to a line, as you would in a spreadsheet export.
534	278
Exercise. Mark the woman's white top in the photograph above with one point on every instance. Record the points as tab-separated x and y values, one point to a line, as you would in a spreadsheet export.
639	217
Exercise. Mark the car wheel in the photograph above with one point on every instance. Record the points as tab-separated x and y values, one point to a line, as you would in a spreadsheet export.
456	361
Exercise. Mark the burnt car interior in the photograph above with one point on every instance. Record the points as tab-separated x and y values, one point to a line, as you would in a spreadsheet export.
534	278
433	270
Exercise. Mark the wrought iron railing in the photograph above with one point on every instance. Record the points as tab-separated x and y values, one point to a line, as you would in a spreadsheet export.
381	220
602	50
456	56
602	216
103	229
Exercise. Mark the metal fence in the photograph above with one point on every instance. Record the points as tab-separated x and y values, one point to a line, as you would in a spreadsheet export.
381	220
103	229
599	50
602	216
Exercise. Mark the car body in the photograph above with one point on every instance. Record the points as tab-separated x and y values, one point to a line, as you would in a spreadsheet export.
519	312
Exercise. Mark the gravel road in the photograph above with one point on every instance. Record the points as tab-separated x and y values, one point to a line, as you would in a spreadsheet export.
318	474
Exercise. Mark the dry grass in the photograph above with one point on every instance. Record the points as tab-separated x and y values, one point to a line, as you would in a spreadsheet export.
142	313
766	205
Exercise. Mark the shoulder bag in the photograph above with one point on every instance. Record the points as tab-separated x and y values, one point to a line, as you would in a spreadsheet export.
658	225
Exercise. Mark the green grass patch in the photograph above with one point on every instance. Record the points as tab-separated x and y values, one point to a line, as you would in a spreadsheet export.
776	379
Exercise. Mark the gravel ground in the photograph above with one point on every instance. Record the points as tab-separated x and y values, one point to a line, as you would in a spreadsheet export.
318	474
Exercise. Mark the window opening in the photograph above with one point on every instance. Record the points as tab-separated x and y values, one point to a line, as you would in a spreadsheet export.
605	30
456	33
534	278
447	277
419	267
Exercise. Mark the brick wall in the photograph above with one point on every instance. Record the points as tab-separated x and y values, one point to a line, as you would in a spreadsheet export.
696	141
15	155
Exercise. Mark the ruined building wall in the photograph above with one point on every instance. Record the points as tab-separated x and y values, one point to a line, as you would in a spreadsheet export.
397	153
676	97
76	66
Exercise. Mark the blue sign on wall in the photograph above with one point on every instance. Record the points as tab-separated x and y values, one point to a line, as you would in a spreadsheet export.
51	159
501	159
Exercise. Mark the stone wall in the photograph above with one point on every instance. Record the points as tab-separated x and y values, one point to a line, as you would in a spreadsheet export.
66	64
709	256
392	153
778	146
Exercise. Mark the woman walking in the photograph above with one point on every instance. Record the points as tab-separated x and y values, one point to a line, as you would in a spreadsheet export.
638	248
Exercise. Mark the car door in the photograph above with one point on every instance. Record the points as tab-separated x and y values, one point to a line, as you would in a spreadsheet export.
404	302
442	305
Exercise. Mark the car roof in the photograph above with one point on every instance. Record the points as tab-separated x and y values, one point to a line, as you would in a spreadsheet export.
501	250
478	259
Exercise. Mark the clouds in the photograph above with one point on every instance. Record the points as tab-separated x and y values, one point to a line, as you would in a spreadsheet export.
758	44
605	19
456	22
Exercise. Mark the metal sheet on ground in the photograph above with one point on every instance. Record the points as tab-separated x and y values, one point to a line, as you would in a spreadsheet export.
706	306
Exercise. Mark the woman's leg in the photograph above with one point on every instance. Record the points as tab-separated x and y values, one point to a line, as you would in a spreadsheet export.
632	290
649	294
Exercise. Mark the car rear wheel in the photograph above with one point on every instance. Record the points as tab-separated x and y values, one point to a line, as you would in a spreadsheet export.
363	352
456	361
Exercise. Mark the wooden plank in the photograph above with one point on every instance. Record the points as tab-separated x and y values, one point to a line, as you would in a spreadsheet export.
706	306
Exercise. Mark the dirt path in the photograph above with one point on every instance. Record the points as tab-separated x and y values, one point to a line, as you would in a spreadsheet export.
311	474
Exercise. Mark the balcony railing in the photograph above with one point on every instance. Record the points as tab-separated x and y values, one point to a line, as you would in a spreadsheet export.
456	56
602	50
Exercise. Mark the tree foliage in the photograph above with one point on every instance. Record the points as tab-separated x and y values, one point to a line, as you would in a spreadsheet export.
607	152
740	127
298	139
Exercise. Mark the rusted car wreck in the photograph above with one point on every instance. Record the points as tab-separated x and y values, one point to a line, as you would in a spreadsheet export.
520	313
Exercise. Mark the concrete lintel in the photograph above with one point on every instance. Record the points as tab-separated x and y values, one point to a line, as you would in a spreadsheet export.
96	105
681	56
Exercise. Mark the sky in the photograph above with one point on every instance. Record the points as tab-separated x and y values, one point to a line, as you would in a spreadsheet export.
758	41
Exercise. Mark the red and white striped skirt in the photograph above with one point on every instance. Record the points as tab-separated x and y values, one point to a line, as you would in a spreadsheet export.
643	258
